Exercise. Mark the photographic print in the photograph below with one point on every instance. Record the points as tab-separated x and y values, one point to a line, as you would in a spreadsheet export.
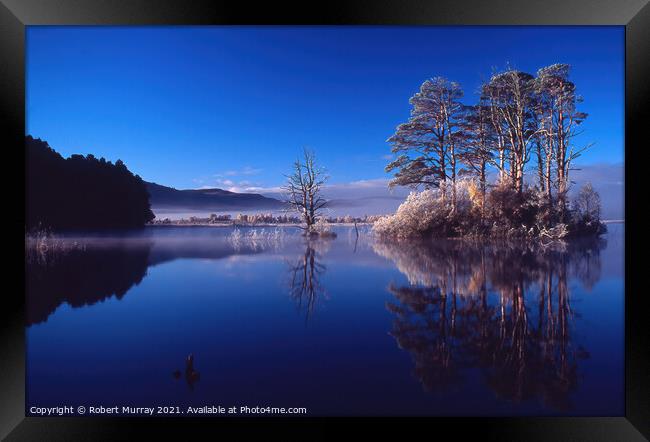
325	220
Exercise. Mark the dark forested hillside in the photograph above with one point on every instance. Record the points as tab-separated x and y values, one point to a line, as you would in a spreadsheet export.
81	192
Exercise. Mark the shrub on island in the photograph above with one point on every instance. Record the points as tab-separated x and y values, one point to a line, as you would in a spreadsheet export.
502	212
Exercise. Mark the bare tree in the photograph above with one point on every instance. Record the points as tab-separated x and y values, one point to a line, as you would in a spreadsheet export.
304	189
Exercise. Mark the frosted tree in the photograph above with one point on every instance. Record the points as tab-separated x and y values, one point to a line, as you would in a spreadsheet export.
477	141
587	203
304	189
511	96
559	123
519	118
426	145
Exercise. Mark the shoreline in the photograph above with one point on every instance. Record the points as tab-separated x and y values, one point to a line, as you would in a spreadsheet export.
188	224
249	225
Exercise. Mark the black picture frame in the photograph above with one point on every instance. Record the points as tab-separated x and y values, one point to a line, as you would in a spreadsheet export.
633	14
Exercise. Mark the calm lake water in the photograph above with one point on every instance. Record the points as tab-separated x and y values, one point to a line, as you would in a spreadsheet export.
342	326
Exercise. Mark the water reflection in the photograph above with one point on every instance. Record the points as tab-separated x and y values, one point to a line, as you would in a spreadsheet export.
305	272
84	271
82	275
191	375
487	325
504	310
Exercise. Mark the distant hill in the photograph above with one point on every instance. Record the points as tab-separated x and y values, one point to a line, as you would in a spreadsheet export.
163	197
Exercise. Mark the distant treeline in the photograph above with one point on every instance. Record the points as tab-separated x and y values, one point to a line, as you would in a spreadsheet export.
262	218
81	192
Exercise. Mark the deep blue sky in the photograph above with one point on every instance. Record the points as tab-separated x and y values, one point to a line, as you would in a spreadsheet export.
233	106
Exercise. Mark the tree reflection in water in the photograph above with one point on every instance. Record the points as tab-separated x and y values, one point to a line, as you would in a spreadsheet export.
85	274
305	287
83	271
503	309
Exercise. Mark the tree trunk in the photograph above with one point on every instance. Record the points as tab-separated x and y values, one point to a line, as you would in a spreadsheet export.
483	184
453	180
540	167
549	156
